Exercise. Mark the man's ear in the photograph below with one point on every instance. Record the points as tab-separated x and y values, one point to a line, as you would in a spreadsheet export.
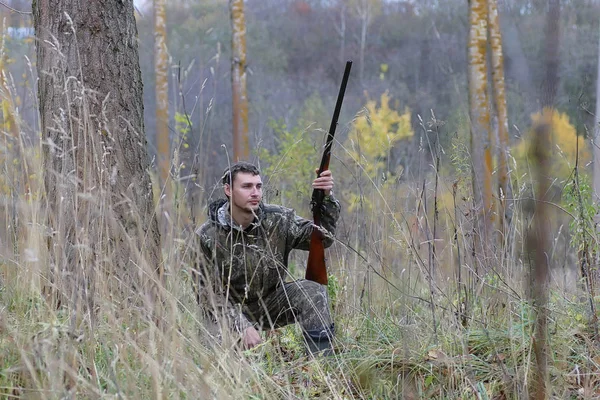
227	189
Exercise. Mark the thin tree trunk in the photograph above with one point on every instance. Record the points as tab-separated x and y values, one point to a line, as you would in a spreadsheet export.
365	15
519	67
499	91
241	149
539	238
161	70
551	51
480	119
342	33
98	191
538	244
596	141
423	73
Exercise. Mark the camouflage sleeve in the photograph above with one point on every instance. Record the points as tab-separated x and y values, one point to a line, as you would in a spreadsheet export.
301	229
330	212
210	291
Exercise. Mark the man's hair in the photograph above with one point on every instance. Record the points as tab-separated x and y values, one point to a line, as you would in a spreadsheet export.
241	166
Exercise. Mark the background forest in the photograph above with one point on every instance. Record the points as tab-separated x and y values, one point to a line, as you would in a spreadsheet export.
438	290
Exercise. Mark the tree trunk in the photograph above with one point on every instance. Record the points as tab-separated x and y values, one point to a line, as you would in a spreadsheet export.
551	51
342	33
98	191
241	149
538	245
540	234
596	142
499	91
161	70
519	67
365	19
480	118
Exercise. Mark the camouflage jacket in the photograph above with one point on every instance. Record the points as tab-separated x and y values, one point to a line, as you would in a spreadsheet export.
240	265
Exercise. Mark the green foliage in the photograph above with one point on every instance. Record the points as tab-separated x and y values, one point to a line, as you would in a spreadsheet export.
291	168
460	156
333	289
203	24
577	199
375	132
565	144
183	127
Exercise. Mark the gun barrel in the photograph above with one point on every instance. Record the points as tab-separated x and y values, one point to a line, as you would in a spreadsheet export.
316	269
336	114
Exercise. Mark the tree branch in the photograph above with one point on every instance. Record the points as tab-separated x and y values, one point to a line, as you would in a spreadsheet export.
14	9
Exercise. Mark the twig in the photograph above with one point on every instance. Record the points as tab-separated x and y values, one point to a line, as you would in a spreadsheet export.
431	240
14	9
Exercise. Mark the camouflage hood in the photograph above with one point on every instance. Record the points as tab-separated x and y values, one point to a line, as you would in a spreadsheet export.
218	212
213	208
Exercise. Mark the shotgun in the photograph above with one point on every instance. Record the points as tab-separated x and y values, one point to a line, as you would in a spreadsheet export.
316	270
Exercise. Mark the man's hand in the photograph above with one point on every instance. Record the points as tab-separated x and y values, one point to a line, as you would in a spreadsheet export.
251	338
324	182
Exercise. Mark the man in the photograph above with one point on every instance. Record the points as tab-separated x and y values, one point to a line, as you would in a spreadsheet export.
245	246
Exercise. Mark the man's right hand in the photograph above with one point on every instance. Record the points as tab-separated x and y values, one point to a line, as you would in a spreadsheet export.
251	338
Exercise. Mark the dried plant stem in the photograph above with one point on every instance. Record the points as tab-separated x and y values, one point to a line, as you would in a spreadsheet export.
461	287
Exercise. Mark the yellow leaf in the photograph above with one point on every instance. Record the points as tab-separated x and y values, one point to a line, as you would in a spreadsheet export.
565	144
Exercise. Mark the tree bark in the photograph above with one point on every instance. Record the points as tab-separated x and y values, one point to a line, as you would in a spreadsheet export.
538	245
98	191
480	117
364	13
519	67
539	238
161	70
551	51
241	148
499	91
341	30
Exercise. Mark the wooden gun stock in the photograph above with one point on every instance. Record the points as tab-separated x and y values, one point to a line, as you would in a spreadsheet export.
316	270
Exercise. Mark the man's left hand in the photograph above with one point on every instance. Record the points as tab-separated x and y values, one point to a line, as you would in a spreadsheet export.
324	182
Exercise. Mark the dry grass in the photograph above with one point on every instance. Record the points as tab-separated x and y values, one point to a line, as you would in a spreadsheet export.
411	323
388	345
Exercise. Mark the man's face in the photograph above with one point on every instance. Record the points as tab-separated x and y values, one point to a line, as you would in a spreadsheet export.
246	191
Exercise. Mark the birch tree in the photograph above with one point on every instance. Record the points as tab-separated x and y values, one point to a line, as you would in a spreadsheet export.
241	148
341	30
479	114
161	69
365	10
497	60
